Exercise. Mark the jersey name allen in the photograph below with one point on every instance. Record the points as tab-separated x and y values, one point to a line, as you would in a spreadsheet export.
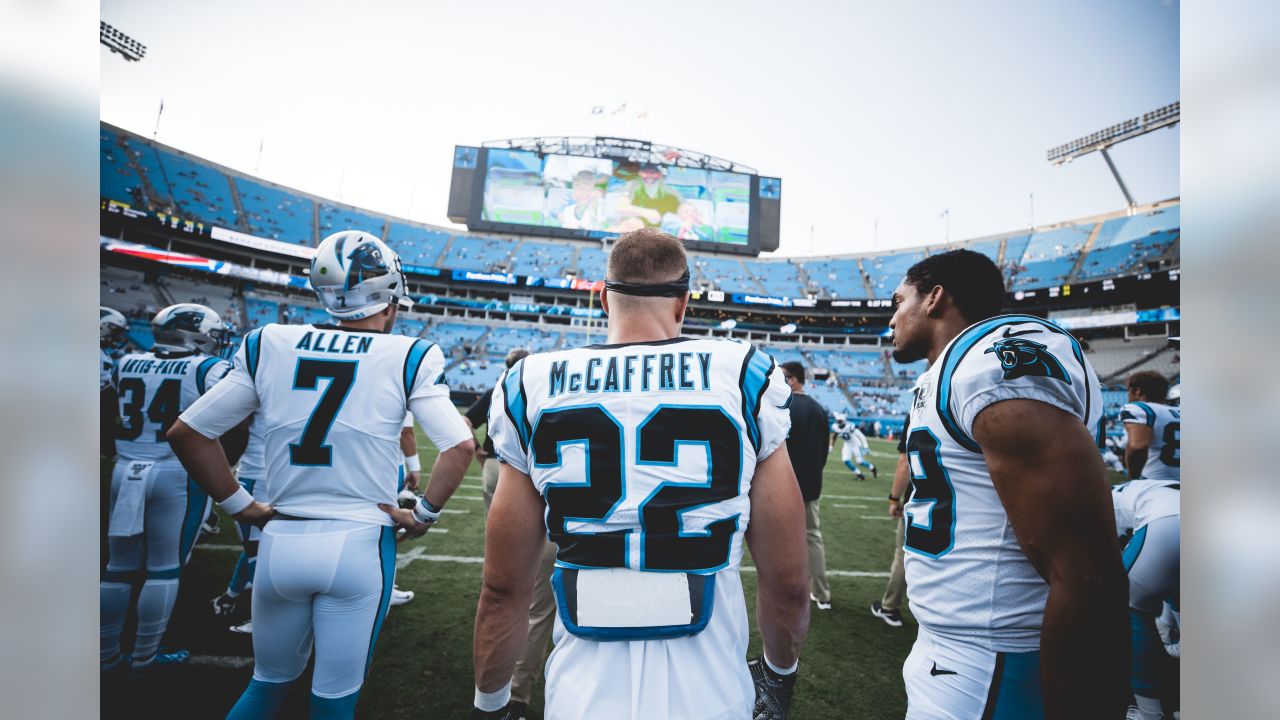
335	342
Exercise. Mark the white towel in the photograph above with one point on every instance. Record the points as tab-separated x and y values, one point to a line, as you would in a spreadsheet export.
131	501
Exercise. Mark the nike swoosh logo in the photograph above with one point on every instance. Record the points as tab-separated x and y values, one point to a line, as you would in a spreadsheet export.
936	672
1008	332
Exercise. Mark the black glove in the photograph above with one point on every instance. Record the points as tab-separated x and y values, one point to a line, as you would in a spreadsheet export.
503	714
773	691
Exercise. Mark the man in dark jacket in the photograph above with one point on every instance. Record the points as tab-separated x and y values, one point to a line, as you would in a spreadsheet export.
807	446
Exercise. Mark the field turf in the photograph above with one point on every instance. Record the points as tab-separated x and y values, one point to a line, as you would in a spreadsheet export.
850	666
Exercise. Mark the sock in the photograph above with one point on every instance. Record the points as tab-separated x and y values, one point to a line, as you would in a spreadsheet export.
155	605
113	603
1149	708
261	699
339	708
242	576
852	467
1147	653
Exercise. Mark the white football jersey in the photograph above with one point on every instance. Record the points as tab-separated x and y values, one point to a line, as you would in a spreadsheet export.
1164	454
857	438
153	391
331	402
645	454
843	429
1138	502
253	463
967	577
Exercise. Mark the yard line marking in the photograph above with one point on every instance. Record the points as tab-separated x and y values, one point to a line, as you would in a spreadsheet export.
451	511
861	507
420	553
466	497
876	517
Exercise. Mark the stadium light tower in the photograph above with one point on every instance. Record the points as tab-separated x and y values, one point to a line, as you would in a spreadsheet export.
1099	141
118	42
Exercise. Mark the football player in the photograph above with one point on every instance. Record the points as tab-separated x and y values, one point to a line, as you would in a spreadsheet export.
855	446
155	511
1012	567
113	331
1154	428
332	400
647	460
1148	517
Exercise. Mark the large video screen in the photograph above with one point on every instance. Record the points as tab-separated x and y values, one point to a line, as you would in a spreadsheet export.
594	197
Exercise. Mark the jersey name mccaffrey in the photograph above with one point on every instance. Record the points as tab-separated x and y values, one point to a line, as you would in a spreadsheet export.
631	373
344	343
156	366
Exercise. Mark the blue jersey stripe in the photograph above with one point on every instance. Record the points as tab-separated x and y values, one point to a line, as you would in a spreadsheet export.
961	347
252	349
413	362
1151	414
202	372
516	403
754	380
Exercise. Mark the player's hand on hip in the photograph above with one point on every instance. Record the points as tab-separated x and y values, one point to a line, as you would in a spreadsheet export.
405	521
411	480
257	513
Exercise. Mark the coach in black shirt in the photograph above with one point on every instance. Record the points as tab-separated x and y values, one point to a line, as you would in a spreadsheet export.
807	446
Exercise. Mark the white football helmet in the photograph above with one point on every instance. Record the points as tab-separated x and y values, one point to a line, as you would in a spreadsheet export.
1175	395
112	327
356	275
188	327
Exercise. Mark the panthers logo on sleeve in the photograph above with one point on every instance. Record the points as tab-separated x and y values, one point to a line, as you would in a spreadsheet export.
1020	357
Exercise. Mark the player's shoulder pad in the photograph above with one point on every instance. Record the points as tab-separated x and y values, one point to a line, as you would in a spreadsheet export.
1138	412
1013	351
515	402
209	371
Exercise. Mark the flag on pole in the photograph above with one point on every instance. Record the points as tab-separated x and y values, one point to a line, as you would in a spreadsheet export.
157	130
621	108
597	109
945	213
644	114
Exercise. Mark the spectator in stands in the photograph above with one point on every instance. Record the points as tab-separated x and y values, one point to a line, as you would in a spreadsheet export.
586	212
807	446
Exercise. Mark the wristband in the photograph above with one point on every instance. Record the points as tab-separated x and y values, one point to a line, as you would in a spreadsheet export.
895	499
412	463
496	700
237	502
426	513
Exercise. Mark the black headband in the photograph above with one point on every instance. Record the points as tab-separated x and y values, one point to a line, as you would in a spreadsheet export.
673	289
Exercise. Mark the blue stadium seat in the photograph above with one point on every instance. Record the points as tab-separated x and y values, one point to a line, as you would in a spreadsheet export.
117	180
836	278
274	213
336	219
417	246
475	374
886	271
543	259
592	263
849	363
202	192
780	279
1049	257
727	274
451	335
470	252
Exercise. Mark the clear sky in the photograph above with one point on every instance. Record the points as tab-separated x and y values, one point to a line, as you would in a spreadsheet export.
877	115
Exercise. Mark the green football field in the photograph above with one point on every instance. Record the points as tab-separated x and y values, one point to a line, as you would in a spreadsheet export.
850	665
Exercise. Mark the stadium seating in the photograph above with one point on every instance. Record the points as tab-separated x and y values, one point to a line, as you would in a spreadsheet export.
778	278
502	340
474	375
836	278
727	274
201	192
261	311
886	271
334	219
1110	356
592	262
416	245
454	335
909	371
871	401
849	363
830	397
129	292
277	214
543	259
146	160
783	353
117	180
470	252
1125	244
1050	257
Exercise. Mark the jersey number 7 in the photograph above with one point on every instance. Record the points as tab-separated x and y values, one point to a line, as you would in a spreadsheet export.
310	449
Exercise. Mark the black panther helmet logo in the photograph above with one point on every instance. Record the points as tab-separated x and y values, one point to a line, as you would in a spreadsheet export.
186	320
366	263
1020	357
